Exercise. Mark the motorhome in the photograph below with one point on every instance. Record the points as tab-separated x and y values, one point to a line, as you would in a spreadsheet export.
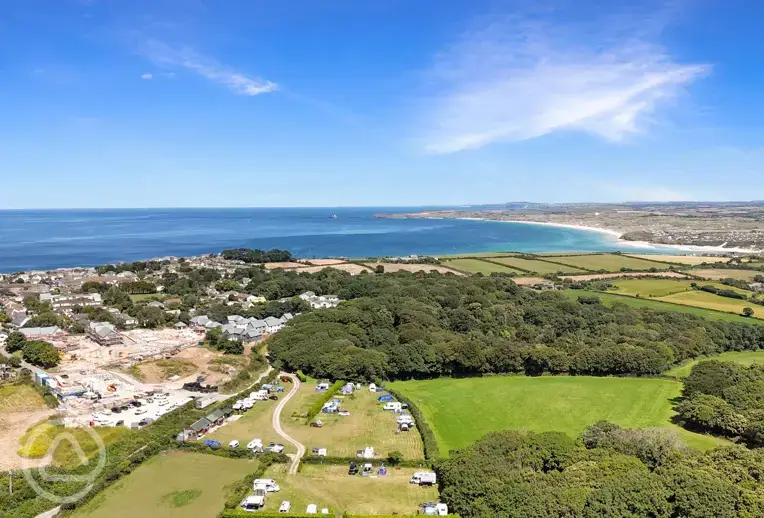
256	445
267	484
395	406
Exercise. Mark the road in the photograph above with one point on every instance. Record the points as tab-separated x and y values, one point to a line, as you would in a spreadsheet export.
276	421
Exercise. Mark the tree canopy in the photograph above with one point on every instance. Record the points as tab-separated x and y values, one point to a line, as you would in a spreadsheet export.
405	325
517	474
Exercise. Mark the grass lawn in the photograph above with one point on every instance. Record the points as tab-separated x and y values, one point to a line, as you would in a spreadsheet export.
478	266
703	299
43	435
710	273
742	357
461	411
147	296
331	487
256	422
539	267
367	425
174	485
20	398
609	262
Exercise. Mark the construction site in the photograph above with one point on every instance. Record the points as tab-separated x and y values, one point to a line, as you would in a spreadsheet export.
99	384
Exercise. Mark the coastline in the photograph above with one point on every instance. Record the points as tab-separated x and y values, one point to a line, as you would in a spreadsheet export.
634	244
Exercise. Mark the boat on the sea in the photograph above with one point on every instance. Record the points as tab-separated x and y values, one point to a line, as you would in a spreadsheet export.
333	216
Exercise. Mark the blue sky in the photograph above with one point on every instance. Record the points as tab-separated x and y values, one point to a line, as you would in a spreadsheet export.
179	103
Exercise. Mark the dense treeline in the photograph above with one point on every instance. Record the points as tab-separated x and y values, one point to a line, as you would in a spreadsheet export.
257	256
725	398
615	472
137	267
420	325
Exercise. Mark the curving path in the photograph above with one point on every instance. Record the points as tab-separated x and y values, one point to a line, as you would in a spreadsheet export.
276	422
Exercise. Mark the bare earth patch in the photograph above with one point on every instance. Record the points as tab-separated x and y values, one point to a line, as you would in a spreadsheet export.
746	275
405	267
691	260
322	262
286	266
353	269
528	281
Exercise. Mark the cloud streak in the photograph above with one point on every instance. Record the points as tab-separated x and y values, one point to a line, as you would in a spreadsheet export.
162	55
522	77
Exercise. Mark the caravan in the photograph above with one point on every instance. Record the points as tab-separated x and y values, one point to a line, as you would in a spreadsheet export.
395	406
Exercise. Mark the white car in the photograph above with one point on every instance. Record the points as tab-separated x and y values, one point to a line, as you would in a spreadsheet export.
140	410
276	448
285	506
163	402
247	404
233	444
238	405
161	395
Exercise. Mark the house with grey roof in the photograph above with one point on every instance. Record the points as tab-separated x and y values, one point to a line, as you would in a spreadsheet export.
200	321
104	333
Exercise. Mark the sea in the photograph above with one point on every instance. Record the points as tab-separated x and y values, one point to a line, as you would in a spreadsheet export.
48	239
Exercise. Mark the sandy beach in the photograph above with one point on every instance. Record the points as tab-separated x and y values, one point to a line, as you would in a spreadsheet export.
616	234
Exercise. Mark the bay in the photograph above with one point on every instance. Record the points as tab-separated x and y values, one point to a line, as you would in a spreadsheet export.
46	239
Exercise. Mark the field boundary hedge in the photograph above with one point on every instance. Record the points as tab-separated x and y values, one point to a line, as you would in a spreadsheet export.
316	407
345	461
431	448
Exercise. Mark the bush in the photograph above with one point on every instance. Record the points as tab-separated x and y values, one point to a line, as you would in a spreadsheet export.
394	458
316	407
15	342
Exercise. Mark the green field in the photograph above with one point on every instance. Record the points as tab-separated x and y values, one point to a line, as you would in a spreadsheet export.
742	357
461	411
367	425
703	299
478	266
147	296
609	299
656	287
534	266
608	262
38	440
20	398
330	487
173	485
651	287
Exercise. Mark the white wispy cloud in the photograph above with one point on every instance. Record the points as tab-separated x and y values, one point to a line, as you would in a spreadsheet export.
147	76
238	82
522	77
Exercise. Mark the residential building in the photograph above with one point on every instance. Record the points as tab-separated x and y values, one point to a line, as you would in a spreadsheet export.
104	333
41	333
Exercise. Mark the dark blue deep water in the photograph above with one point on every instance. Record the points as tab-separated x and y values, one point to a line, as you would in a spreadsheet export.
43	239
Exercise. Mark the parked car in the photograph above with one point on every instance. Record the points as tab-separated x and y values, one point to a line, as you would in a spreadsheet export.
121	422
274	397
212	444
145	421
344	413
116	409
285	506
317	423
163	402
238	405
233	444
139	411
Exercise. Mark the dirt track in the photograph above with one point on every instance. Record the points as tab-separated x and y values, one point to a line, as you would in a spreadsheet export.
276	421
